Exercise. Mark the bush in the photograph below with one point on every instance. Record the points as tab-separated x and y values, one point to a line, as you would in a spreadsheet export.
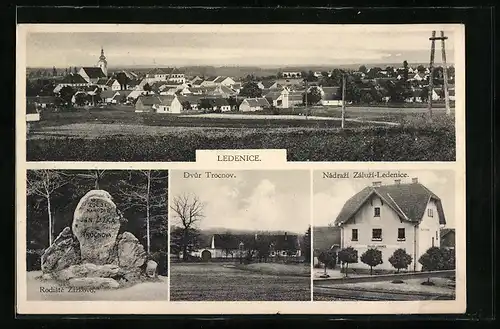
372	257
400	259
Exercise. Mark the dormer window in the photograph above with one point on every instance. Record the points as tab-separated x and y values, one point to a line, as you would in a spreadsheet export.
376	212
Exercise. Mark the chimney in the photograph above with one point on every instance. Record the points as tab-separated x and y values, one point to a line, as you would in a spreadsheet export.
397	181
377	184
414	180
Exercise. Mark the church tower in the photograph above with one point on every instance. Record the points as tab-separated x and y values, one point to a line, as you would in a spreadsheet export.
102	63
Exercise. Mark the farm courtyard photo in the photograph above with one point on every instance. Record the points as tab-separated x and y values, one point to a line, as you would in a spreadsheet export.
245	238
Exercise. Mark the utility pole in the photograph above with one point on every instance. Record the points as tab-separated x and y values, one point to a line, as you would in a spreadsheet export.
433	39
306	98
445	74
343	100
431	74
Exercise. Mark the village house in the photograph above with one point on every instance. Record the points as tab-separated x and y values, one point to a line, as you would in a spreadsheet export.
168	104
448	238
389	217
330	96
113	84
254	104
239	245
145	103
41	102
268	84
219	81
157	74
71	80
291	75
91	74
189	102
278	99
108	96
326	239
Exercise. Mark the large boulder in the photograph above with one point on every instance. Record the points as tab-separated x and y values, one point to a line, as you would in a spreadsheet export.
63	253
96	223
151	266
130	251
93	283
89	270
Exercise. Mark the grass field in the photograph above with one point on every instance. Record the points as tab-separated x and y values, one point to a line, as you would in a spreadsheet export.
145	291
120	134
217	282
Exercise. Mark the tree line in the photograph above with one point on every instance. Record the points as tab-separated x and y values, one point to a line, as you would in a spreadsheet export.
141	195
185	236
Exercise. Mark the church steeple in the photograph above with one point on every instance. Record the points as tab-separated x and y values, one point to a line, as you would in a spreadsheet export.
102	57
103	63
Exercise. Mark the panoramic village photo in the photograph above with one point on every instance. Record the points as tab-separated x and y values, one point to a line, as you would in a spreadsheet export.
384	235
240	236
97	235
161	92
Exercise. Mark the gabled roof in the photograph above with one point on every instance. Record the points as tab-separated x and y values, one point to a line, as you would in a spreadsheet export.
73	79
157	71
166	99
94	72
257	102
277	241
325	237
149	100
110	82
220	79
445	231
409	201
108	93
273	95
268	83
191	99
102	81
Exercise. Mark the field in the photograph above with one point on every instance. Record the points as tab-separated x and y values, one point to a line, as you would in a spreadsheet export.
411	289
218	282
120	134
140	292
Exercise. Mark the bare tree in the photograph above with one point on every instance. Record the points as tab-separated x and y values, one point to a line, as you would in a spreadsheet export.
96	175
44	183
144	197
188	209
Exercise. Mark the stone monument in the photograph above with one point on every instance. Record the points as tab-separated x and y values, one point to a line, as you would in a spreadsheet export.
92	253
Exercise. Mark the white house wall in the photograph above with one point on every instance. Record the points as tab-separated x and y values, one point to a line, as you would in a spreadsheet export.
428	231
389	222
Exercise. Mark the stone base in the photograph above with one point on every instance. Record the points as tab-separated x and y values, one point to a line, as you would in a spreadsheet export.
94	283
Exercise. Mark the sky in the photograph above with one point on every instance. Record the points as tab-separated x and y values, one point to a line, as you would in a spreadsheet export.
255	200
230	45
330	195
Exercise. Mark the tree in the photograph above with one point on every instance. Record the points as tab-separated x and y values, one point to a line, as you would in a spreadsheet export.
432	260
367	98
123	80
372	257
54	71
75	70
250	89
420	69
94	175
405	71
147	195
424	94
328	258
44	183
227	239
80	99
66	93
188	209
263	248
181	240
313	96
400	259
362	69
306	245
347	256
147	87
